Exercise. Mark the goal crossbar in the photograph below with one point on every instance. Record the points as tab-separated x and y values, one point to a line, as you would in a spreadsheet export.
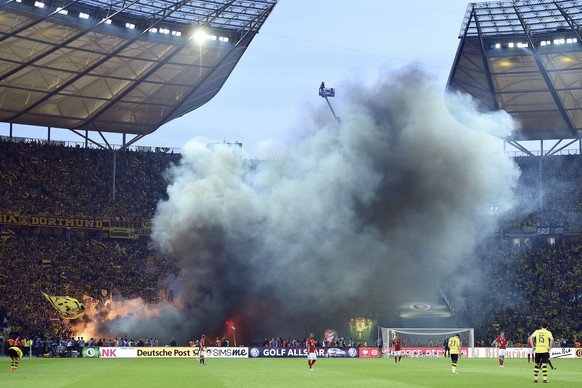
434	337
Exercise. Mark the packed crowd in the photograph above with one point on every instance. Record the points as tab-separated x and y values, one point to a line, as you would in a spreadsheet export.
54	180
40	179
524	286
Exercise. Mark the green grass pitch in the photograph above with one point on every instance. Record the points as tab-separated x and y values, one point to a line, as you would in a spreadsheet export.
290	372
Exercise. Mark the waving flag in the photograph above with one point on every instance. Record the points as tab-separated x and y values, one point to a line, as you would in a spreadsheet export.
69	308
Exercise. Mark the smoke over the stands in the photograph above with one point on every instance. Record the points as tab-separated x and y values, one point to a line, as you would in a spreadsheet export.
354	219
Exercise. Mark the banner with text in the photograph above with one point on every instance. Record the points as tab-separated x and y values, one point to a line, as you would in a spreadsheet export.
421	352
111	352
262	352
56	222
172	352
522	353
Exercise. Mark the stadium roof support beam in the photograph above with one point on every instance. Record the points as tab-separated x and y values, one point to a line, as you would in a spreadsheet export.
555	149
571	22
125	144
520	147
87	138
544	72
494	99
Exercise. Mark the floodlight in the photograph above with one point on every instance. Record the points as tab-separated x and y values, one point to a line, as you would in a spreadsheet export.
84	15
62	11
39	4
200	36
130	25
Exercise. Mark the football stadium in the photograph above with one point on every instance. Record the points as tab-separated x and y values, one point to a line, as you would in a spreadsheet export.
404	251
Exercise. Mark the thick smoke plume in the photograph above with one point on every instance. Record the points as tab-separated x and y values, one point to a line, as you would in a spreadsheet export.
355	219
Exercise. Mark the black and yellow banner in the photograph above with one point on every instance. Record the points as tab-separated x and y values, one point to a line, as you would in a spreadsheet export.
57	222
116	229
69	308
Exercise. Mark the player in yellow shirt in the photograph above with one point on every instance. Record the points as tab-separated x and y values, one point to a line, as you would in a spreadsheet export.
15	355
454	350
542	340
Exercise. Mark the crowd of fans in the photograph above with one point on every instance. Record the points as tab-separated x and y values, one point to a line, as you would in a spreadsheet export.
55	180
518	287
529	282
33	265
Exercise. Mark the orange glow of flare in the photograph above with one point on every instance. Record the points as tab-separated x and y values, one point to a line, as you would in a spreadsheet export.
99	314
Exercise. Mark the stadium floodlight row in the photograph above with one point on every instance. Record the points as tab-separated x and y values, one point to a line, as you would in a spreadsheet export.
524	57
118	66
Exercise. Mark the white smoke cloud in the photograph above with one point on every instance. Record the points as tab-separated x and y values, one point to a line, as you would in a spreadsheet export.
496	123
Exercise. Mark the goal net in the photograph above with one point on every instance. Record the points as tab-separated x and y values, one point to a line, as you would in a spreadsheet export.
421	337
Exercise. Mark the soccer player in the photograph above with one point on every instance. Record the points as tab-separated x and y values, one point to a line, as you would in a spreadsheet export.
446	347
397	342
201	346
454	346
530	353
311	355
501	343
542	340
15	355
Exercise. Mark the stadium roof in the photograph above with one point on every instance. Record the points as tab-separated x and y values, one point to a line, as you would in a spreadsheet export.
118	66
524	57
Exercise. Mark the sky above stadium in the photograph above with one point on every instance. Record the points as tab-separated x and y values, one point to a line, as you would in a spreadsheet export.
303	43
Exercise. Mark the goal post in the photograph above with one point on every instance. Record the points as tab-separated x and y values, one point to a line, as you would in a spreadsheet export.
425	337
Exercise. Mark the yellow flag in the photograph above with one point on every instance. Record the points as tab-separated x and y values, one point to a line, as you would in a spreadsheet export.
69	308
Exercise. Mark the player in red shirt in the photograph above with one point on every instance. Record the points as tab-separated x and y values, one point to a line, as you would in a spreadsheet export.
311	355
530	352
501	343
397	342
201	345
